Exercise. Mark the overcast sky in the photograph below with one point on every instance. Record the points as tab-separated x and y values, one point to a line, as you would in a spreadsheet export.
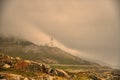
88	28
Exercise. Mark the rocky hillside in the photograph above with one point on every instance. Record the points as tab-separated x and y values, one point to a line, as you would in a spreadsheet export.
16	67
27	50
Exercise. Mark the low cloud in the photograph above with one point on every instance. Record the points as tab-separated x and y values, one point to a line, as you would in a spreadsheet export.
88	28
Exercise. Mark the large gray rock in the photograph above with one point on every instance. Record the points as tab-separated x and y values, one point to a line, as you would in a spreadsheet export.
62	73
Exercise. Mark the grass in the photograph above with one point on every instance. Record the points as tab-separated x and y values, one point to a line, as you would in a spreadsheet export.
73	67
10	70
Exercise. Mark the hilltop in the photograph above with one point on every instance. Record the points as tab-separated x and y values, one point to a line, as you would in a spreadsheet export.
27	61
28	50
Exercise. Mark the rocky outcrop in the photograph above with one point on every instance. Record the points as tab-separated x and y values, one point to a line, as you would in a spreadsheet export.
19	64
6	66
116	74
56	72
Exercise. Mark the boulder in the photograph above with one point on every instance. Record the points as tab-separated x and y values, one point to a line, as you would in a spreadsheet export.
44	66
6	66
27	61
18	58
62	73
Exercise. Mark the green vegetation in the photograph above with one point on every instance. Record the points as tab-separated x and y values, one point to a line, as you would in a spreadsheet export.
73	67
65	67
13	71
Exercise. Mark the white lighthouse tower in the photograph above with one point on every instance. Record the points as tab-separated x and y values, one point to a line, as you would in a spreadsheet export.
52	42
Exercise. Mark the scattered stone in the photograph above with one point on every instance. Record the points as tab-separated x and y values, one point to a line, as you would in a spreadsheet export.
17	58
27	61
6	66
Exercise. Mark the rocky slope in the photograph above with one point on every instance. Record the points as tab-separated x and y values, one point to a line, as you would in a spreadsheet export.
17	67
27	50
29	65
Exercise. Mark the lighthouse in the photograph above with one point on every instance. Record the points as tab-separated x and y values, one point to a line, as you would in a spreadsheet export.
52	41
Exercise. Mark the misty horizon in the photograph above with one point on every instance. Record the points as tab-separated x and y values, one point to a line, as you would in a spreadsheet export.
88	29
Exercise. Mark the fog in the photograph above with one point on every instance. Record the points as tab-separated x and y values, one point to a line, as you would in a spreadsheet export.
89	29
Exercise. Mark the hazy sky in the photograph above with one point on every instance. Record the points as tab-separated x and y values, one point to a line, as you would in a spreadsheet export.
88	26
